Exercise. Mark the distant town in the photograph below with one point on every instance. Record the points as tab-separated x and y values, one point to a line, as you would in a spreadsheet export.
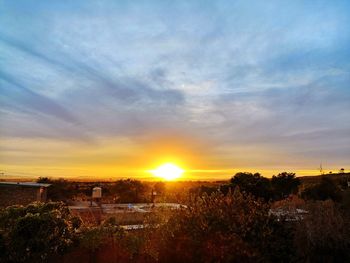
106	211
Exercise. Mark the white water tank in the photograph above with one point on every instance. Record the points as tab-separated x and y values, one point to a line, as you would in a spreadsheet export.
97	192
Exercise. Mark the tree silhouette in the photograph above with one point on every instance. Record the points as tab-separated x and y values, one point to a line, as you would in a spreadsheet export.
254	184
129	191
284	184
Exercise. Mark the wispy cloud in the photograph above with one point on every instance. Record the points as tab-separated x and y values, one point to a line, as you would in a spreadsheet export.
274	76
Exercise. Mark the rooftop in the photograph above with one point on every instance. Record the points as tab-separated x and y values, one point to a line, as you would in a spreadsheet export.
28	184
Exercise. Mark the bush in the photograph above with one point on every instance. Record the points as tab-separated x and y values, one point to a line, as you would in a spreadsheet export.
37	232
217	228
326	189
324	234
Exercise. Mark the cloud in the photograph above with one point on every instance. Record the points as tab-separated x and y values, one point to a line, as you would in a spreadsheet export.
15	95
267	76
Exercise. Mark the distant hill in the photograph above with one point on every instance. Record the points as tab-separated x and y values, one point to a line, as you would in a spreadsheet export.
313	179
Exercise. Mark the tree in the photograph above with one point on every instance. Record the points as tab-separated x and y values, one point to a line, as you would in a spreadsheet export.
284	184
129	191
235	227
37	232
60	189
44	180
159	187
254	184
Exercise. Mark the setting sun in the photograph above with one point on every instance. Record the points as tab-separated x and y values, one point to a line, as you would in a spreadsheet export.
168	171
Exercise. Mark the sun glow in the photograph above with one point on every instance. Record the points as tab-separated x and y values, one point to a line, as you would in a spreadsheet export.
168	171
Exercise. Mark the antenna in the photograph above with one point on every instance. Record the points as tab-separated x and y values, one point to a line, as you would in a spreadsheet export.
321	169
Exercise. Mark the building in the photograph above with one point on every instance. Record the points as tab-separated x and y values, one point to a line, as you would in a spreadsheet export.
20	193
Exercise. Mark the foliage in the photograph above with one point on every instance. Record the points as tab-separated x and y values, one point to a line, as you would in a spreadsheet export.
233	224
203	189
109	238
129	191
280	245
216	228
2	249
345	204
44	180
324	234
36	232
159	187
324	190
277	188
60	189
93	237
254	184
131	243
284	184
343	182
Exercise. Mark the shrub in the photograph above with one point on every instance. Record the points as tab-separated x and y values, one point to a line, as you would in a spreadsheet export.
324	234
36	232
326	189
218	228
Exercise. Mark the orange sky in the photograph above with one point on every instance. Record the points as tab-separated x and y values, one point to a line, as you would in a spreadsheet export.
113	158
111	89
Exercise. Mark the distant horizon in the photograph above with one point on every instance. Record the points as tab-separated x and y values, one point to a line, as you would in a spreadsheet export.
151	178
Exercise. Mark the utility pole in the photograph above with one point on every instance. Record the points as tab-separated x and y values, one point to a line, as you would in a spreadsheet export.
321	169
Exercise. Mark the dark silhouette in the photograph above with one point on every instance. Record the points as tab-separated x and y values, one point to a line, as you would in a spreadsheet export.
254	184
129	191
284	184
60	189
326	189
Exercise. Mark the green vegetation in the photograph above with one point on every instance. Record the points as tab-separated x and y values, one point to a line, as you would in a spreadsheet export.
248	219
129	191
218	228
37	232
276	188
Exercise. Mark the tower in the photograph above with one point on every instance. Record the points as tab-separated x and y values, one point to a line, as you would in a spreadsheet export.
321	169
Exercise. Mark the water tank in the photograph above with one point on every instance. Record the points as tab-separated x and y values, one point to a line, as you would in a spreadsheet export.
97	192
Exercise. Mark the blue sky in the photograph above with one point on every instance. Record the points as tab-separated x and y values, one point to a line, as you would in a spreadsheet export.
261	84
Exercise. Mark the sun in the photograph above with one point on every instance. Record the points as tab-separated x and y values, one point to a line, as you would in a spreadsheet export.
168	171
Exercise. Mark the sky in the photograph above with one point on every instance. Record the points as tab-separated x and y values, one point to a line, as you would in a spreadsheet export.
109	89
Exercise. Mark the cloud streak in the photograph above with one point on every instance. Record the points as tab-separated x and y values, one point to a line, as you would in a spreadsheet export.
271	77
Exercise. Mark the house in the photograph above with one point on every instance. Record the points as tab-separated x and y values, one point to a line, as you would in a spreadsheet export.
22	193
